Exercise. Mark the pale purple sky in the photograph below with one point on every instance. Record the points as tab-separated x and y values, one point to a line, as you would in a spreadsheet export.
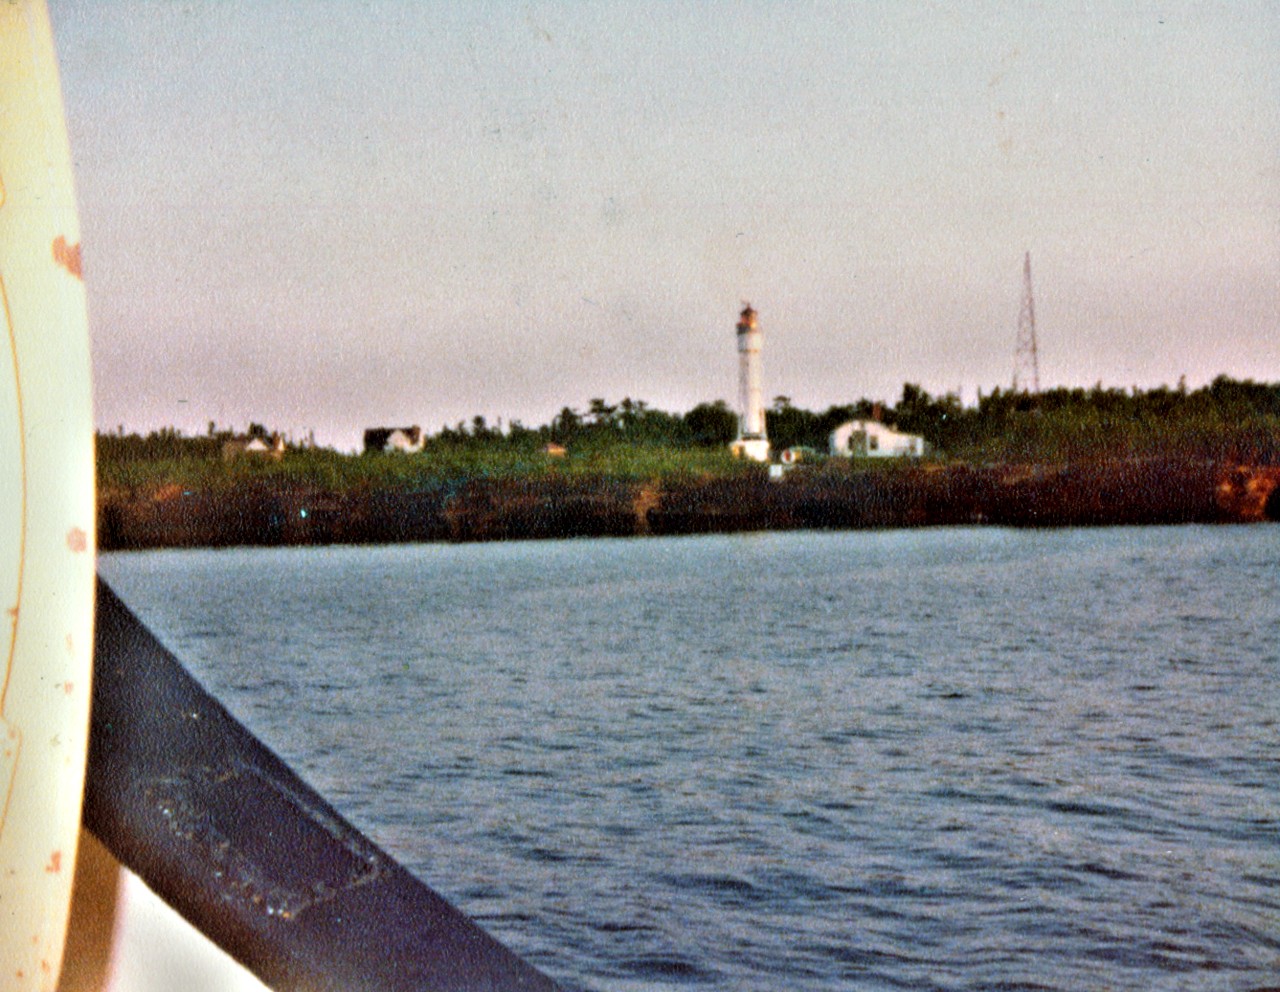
336	215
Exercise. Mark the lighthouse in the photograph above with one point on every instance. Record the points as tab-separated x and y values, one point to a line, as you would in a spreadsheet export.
752	441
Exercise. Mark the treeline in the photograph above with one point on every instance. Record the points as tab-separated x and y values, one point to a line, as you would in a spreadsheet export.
170	444
602	423
1227	420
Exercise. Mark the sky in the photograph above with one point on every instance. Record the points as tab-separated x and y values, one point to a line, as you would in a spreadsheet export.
326	216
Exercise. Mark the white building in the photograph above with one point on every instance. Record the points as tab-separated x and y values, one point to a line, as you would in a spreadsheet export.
872	439
405	440
751	441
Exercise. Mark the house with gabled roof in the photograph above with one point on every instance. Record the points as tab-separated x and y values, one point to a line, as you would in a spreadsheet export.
872	439
405	440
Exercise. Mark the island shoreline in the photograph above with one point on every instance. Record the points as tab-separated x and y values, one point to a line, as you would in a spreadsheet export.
274	512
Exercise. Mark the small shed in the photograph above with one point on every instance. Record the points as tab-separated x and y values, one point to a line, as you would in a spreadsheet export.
271	449
872	439
798	453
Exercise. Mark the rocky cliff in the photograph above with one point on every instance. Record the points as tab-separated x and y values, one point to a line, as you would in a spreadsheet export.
1152	491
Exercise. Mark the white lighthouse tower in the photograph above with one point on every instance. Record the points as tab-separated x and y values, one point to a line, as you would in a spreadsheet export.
751	442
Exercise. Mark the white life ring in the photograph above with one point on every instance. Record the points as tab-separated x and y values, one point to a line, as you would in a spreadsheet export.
47	535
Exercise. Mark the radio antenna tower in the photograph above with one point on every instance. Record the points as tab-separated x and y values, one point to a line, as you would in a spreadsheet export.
1026	365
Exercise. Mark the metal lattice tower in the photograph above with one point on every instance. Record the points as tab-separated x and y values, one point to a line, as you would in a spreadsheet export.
1026	364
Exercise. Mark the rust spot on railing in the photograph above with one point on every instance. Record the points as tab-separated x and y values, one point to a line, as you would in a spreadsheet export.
68	256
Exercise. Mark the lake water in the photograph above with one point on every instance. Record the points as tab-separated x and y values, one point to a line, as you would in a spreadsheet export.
928	759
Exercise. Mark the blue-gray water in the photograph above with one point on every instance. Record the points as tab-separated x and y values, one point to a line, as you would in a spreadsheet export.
930	759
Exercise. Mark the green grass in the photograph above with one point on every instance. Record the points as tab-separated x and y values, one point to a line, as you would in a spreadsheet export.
441	464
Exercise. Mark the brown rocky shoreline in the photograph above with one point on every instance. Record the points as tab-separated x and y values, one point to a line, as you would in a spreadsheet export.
1148	491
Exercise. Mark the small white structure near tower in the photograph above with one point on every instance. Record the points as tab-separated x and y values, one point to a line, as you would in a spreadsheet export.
752	441
872	439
